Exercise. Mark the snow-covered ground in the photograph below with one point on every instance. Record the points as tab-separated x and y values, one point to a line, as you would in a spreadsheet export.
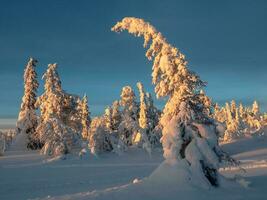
28	175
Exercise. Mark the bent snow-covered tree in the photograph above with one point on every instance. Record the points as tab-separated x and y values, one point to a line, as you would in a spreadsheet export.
27	120
188	134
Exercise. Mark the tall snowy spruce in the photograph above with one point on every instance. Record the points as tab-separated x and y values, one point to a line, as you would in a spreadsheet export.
148	120
143	119
27	119
232	122
154	128
189	135
129	121
85	117
255	108
58	124
112	117
115	116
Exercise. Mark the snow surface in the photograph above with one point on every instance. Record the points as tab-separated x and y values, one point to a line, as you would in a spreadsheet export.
28	175
133	175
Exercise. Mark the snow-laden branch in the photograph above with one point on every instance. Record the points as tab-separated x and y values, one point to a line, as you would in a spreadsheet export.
169	65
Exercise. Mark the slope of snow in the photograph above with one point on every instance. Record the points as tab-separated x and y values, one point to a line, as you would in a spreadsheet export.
170	181
246	145
133	175
28	175
166	182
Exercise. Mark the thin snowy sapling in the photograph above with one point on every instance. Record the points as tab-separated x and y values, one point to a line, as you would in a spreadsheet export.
85	117
143	119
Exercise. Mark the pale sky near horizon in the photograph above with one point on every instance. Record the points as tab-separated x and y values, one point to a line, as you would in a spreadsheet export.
224	41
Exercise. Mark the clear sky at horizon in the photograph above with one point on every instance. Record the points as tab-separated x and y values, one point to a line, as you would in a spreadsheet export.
225	42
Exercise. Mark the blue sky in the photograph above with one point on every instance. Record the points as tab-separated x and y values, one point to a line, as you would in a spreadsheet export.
224	41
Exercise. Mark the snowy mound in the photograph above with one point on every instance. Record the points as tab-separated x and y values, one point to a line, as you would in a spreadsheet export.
168	181
176	174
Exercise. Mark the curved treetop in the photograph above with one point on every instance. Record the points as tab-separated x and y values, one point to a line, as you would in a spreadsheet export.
169	72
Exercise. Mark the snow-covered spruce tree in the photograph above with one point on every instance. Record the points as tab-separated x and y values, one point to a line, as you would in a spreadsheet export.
85	118
115	135
116	116
55	129
241	110
153	122
129	121
255	108
143	121
112	117
108	119
233	107
51	101
144	132
253	118
219	113
232	124
27	119
128	102
72	108
148	120
189	135
206	102
99	140
153	111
